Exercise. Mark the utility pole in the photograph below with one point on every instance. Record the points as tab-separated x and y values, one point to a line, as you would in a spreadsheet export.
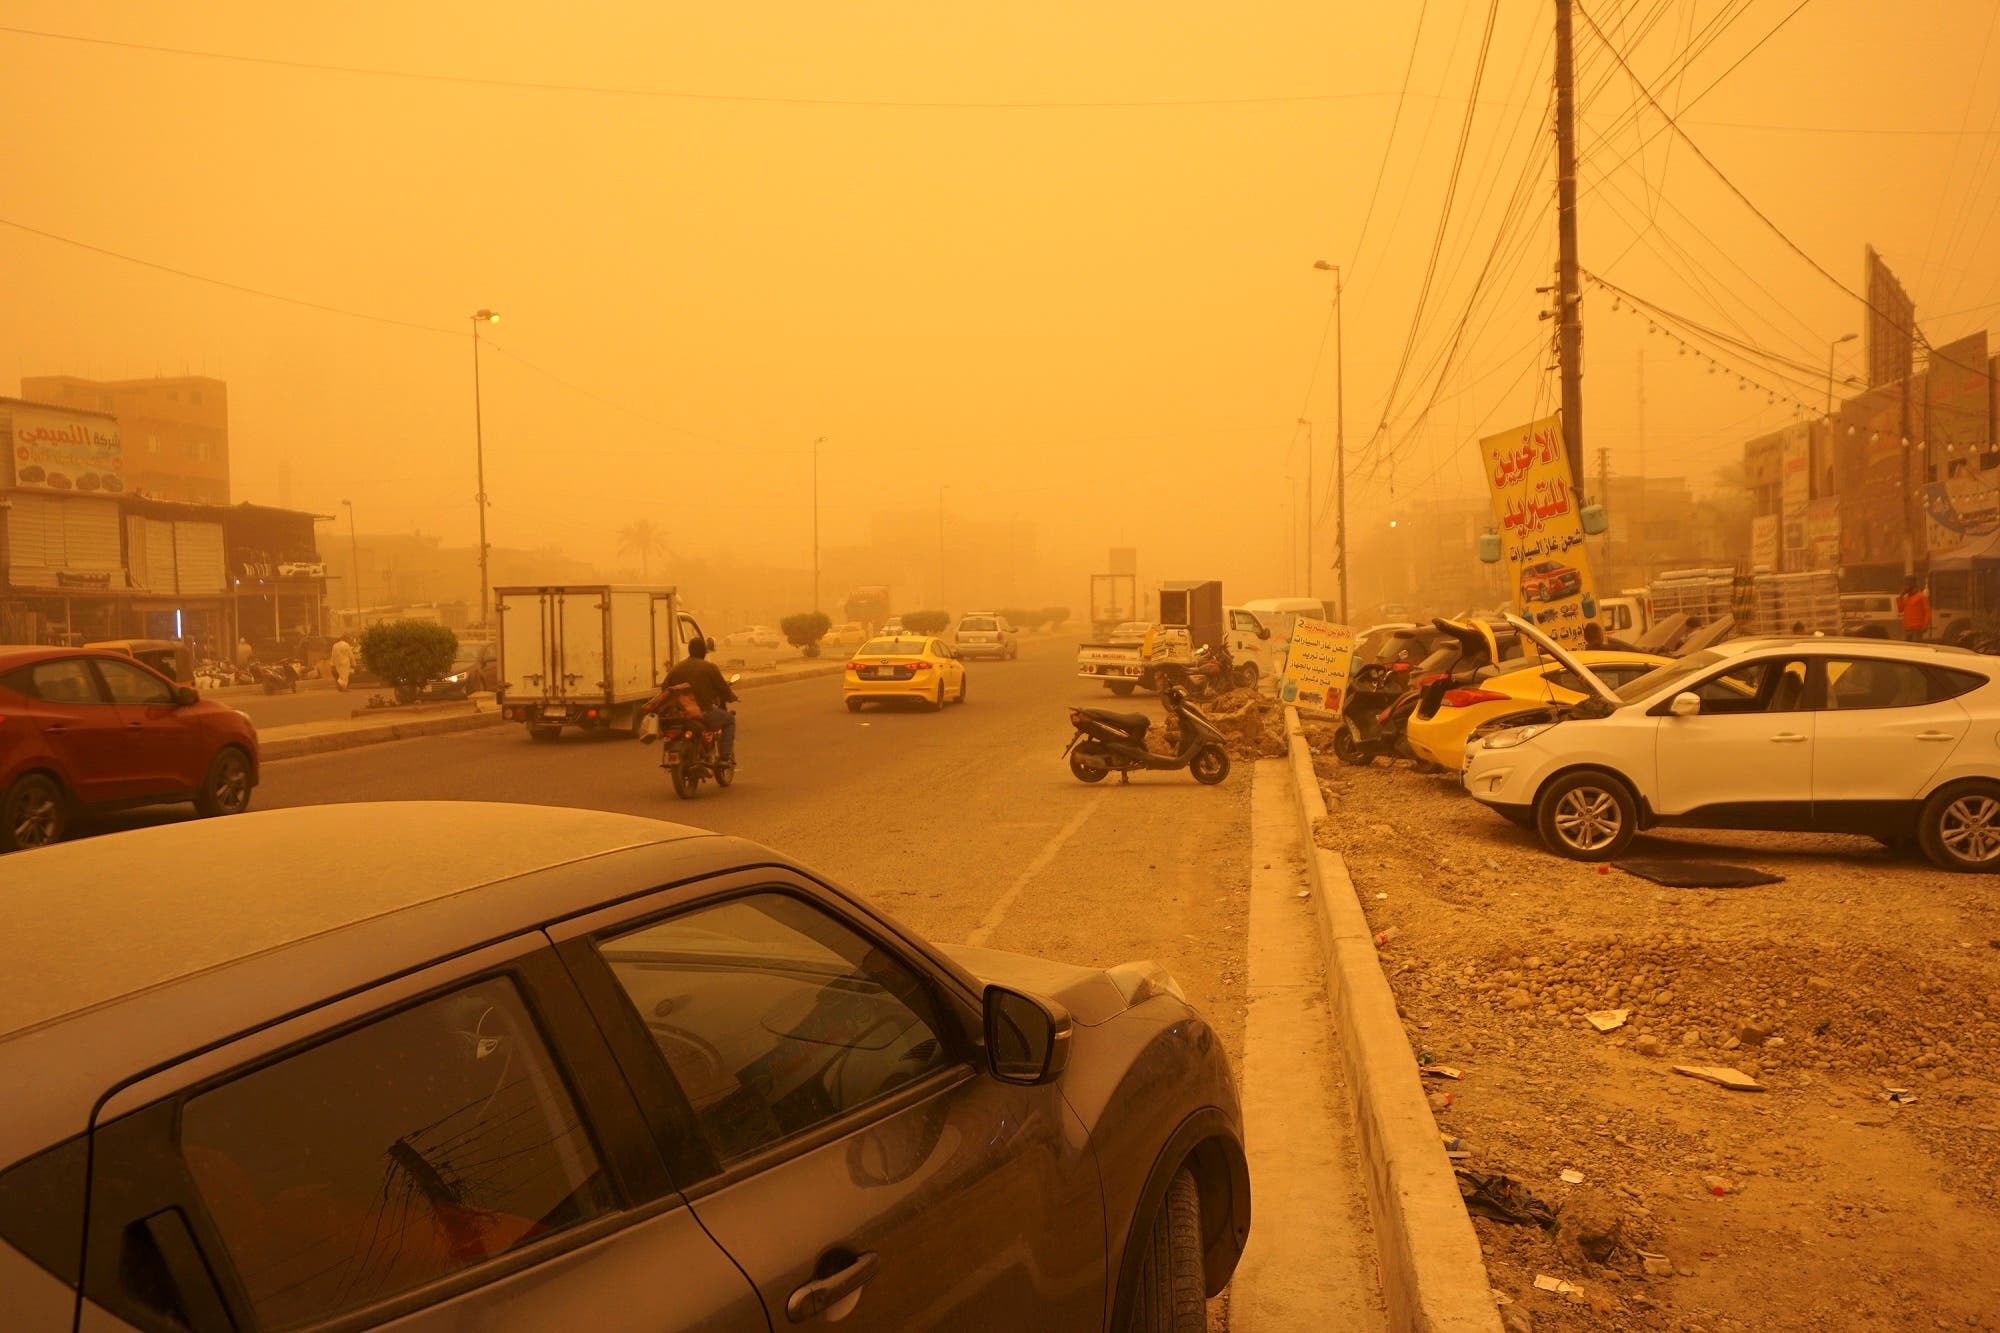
817	442
354	553
479	447
1339	433
1569	295
1309	504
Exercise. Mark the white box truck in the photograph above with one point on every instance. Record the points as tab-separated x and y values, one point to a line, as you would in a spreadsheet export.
586	656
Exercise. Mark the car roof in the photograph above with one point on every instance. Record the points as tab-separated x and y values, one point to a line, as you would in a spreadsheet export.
1947	654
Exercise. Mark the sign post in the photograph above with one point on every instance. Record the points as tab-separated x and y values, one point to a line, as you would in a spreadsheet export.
1317	664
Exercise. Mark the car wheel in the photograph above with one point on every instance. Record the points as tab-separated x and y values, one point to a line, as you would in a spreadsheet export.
1587	816
964	683
1172	1293
1084	771
1348	750
853	705
1121	688
1210	765
936	705
34	814
226	789
1960	828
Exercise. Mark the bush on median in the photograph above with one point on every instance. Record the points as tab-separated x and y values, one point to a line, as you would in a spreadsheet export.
804	630
407	654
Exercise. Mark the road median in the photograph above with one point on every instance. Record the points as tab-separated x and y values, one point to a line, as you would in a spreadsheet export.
300	740
1433	1278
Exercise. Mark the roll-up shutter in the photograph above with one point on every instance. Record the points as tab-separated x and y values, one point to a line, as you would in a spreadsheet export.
160	556
27	533
90	536
198	557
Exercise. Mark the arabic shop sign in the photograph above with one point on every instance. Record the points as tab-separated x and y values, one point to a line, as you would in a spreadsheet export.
1537	511
54	450
1317	665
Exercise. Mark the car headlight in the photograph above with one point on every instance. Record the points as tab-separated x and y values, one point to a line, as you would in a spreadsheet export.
458	679
1513	736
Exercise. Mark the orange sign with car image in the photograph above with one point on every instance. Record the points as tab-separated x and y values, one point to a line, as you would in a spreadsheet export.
56	450
1538	514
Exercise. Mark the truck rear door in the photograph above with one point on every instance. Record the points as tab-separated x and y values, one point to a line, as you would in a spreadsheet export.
582	622
529	667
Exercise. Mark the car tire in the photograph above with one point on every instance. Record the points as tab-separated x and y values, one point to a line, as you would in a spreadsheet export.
964	683
1171	1295
1348	750
1959	828
1122	688
34	813
1586	816
936	705
853	705
1210	765
225	788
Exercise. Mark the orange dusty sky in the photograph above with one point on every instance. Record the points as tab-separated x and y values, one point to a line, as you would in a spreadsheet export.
1057	256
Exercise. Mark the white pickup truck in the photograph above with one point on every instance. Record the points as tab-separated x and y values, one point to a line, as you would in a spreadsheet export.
1128	657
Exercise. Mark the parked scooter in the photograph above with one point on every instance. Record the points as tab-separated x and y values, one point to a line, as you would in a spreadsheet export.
688	745
1379	702
278	677
1108	742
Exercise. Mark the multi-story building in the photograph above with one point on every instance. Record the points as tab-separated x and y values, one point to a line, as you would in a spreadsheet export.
176	431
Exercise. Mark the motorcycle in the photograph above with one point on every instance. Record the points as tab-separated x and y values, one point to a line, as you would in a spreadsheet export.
1108	742
278	677
688	745
1377	708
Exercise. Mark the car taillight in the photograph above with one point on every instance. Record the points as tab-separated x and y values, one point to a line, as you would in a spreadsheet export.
854	666
1467	698
920	666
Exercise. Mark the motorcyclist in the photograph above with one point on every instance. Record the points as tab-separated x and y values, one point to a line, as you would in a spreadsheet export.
712	692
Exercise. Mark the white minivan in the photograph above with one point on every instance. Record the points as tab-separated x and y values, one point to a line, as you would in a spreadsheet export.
1276	614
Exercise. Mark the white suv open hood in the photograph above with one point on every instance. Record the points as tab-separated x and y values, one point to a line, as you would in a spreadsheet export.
1553	649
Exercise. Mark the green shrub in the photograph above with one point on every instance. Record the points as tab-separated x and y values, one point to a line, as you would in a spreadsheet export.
407	654
1018	616
926	622
804	630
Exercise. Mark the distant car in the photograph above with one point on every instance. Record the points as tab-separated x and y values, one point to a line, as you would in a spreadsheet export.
753	636
851	634
1549	581
982	634
1837	735
1440	736
909	668
82	731
474	670
1870	614
893	625
482	1071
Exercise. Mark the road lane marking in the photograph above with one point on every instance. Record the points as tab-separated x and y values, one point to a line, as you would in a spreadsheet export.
977	939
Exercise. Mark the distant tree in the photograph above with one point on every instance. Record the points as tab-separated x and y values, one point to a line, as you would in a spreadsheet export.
804	630
640	538
1051	616
1018	616
926	622
407	654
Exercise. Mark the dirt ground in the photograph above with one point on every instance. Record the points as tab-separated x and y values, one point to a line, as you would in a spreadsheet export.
1816	1204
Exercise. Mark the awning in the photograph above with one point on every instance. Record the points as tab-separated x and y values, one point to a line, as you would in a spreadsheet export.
1974	552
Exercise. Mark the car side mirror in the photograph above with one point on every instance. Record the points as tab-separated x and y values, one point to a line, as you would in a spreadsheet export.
710	642
1686	704
1027	1039
185	695
1264	632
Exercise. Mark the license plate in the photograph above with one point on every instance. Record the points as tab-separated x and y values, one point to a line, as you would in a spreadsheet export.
878	673
556	711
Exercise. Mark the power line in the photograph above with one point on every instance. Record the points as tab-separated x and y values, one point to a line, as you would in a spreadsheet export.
1402	94
225	283
680	95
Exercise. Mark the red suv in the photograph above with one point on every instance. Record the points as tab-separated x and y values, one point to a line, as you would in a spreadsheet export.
82	730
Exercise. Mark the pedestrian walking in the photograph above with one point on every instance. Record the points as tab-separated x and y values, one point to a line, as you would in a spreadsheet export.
1915	606
342	661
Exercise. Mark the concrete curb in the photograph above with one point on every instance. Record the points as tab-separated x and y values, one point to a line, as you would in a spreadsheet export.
326	742
1433	1278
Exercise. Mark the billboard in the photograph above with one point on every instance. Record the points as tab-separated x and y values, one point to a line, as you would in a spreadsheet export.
1536	509
1764	542
1957	431
1869	467
1795	490
1823	533
1892	323
1317	665
57	450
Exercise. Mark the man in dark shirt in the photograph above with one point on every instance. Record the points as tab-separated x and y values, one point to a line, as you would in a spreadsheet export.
711	691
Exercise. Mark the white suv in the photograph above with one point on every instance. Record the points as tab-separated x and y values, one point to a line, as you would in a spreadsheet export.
1899	741
984	634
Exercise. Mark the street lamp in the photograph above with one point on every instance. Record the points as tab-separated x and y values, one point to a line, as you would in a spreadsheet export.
354	552
1843	338
479	452
1339	434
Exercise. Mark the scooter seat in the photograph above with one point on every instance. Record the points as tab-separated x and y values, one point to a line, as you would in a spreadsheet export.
1132	724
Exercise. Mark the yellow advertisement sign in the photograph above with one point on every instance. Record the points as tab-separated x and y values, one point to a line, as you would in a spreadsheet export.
1536	508
1317	666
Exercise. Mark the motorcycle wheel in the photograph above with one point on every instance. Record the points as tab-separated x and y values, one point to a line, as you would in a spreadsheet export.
1348	750
1246	676
1210	765
725	774
1083	772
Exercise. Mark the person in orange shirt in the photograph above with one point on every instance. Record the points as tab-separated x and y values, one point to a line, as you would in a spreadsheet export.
1915	605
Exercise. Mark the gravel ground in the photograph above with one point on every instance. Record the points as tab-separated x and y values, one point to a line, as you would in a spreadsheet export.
1815	1204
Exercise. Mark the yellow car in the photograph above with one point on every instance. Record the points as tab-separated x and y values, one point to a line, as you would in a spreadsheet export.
1536	683
911	667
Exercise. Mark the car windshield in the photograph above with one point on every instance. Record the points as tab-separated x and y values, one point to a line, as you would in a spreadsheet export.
980	624
1660	678
1132	629
892	648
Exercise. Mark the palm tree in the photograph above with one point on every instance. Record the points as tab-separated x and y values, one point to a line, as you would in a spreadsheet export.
641	538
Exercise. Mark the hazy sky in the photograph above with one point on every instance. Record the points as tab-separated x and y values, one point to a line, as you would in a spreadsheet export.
1105	317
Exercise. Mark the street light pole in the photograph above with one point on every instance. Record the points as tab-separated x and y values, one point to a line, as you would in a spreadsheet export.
1844	338
942	605
354	551
1309	504
817	442
1339	429
479	452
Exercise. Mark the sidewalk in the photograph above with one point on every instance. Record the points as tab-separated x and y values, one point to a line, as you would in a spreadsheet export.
400	724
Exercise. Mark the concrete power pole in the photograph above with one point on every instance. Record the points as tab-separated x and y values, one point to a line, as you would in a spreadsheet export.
1569	295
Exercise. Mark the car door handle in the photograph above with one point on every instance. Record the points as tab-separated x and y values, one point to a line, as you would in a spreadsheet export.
1936	736
54	727
821	1293
1788	738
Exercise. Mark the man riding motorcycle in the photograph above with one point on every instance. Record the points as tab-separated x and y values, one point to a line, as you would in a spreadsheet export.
712	692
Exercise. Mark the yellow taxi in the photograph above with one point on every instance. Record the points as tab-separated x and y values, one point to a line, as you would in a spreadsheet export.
1533	683
913	667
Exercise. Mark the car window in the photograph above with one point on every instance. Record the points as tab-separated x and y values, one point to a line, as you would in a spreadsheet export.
1246	622
1772	685
979	624
1672	674
66	680
937	647
891	648
392	1155
1613	674
775	1017
131	685
1857	683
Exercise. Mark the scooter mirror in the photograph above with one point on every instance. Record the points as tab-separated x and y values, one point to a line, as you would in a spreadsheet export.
735	677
